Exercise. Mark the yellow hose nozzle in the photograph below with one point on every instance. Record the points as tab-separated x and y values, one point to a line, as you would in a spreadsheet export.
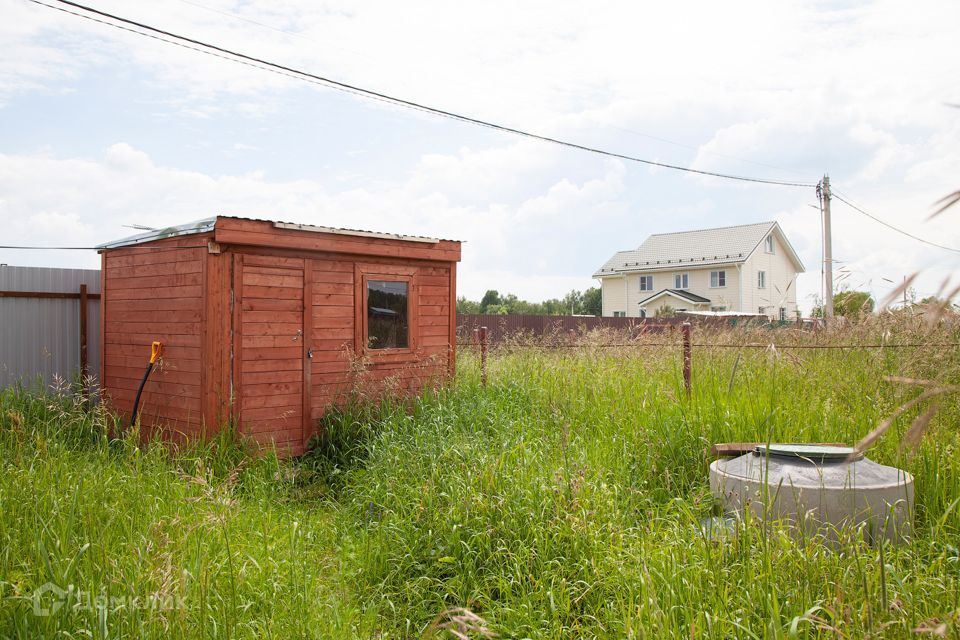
156	349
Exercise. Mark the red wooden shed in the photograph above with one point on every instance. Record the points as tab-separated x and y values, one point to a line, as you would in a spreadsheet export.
267	324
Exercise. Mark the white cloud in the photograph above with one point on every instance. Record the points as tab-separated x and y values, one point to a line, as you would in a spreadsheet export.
95	198
791	90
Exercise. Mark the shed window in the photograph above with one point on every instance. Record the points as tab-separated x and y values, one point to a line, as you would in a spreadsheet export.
718	279
388	321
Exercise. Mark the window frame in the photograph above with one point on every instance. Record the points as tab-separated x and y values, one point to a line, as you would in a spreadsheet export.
768	245
363	274
761	279
685	278
642	279
718	285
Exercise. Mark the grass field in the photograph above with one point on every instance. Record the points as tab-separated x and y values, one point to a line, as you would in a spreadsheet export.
562	500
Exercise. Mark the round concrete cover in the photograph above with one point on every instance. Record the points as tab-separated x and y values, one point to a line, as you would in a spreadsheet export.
798	472
817	494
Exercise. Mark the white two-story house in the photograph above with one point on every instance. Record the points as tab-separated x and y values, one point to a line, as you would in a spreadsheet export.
750	269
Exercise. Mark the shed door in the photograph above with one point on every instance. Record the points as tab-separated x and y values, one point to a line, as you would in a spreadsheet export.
272	349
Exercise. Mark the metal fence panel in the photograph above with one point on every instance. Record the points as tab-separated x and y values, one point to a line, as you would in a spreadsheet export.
500	327
40	337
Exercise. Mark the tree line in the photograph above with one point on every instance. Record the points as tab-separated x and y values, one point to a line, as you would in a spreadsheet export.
587	302
850	304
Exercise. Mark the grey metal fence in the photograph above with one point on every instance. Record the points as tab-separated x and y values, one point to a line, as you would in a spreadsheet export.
41	314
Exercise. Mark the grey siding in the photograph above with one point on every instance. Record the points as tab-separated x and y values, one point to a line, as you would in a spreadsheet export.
40	338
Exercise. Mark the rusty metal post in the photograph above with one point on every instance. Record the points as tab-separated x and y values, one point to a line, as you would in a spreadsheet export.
83	334
687	357
482	338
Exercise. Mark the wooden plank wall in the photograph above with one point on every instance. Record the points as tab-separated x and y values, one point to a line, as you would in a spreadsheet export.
338	368
155	292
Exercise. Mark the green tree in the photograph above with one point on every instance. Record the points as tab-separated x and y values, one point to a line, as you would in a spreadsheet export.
491	297
817	310
572	303
498	309
593	301
851	304
666	311
467	306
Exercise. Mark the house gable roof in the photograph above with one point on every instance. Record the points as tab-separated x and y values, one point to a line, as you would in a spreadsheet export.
698	248
676	293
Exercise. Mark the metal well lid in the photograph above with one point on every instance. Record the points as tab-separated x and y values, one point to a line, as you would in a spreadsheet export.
814	452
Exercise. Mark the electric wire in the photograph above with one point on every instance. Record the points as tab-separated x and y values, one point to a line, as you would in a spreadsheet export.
890	226
707	345
273	67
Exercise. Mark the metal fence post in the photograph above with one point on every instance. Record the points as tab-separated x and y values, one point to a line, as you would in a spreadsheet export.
84	368
687	357
482	335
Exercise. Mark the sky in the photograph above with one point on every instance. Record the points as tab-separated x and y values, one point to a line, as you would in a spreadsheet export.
101	129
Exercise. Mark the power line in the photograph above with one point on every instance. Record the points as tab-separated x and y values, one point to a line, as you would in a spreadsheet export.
694	148
235	16
265	65
890	226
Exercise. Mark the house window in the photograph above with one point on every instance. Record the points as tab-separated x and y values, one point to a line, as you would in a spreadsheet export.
619	314
643	313
783	314
768	243
761	279
718	279
681	281
762	310
388	321
718	308
646	283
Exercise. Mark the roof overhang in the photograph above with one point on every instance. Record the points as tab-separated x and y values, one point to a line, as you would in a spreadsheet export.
688	298
669	266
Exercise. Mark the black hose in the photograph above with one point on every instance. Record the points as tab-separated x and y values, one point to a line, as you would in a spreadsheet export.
136	402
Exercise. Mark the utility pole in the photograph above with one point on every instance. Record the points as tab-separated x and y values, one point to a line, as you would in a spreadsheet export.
827	250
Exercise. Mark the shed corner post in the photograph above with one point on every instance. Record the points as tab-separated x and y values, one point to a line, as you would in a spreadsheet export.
103	322
452	364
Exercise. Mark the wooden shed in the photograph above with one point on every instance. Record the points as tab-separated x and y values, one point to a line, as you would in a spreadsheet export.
265	325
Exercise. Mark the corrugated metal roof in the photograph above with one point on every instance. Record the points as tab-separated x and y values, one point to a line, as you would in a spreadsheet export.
701	247
208	224
190	228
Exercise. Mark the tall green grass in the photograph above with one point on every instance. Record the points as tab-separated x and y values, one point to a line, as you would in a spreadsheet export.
562	500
